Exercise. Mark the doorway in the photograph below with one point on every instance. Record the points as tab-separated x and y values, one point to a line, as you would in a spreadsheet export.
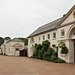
23	53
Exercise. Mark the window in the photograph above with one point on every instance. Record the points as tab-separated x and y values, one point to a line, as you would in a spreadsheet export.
48	36
43	37
54	35
32	40
39	38
9	50
62	32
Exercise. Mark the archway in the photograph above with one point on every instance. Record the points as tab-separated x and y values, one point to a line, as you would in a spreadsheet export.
71	43
17	49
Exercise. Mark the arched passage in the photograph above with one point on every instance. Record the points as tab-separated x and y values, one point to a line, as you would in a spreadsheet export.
71	32
71	44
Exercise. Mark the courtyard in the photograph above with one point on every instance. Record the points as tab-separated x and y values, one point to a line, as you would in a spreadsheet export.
26	66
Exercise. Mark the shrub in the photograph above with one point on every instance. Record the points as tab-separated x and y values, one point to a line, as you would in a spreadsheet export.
40	56
53	57
64	49
32	57
46	44
50	51
45	52
58	60
37	48
41	53
47	55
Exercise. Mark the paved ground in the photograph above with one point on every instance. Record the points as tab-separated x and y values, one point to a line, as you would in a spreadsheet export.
28	66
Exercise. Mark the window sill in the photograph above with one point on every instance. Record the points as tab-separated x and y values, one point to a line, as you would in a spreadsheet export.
62	37
54	38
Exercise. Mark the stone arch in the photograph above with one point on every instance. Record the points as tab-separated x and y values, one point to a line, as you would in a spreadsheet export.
70	32
17	49
70	43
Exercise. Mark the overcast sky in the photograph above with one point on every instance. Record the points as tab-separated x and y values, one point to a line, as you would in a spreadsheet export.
19	18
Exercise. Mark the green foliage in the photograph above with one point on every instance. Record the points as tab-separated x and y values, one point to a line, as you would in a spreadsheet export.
7	38
46	44
64	49
48	54
41	53
58	60
45	52
53	57
32	57
37	48
1	40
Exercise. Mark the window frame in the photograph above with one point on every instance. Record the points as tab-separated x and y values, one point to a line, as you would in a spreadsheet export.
62	32
39	38
48	36
43	37
54	35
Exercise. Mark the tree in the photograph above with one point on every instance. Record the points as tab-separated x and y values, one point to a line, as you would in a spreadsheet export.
1	40
7	38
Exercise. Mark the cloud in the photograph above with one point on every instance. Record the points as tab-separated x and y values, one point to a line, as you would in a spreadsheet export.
19	18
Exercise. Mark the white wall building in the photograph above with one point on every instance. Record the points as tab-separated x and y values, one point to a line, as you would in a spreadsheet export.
60	30
12	47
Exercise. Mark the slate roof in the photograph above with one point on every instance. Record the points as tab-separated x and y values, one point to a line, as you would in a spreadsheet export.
15	39
46	27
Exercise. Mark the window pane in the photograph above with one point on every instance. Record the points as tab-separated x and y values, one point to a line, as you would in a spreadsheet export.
54	35
39	38
43	37
48	36
62	33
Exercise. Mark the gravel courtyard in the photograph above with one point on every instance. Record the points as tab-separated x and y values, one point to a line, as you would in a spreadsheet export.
27	66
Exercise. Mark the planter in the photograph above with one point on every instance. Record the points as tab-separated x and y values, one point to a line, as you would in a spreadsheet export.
63	55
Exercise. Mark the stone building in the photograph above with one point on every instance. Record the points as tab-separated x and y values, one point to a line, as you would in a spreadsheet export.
12	47
59	31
